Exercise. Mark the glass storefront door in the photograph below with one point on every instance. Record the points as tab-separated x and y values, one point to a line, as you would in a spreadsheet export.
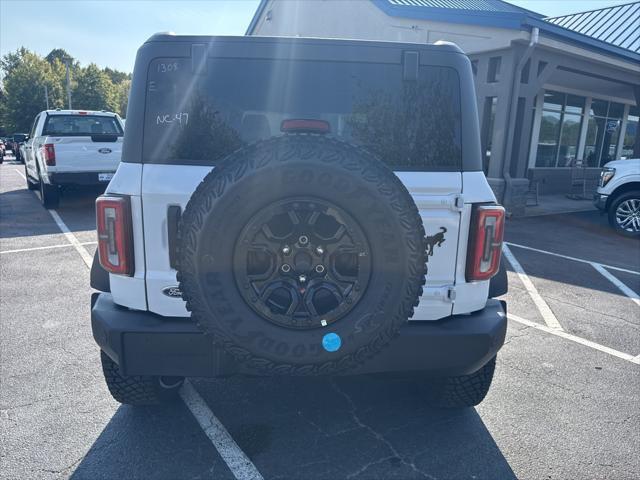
559	129
603	132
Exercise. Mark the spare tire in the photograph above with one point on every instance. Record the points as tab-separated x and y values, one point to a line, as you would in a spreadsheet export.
301	255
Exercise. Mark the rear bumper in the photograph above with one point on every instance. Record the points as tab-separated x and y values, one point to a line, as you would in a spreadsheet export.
142	343
76	178
600	201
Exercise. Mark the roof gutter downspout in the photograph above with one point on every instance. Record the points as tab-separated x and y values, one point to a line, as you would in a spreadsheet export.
515	92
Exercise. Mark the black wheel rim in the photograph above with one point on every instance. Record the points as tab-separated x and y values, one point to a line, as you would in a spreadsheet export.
302	263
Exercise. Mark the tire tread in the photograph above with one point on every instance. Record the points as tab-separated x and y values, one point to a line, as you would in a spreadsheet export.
134	389
462	391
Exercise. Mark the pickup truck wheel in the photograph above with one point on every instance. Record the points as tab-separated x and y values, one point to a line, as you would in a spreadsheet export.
463	391
138	389
624	214
49	195
301	255
31	185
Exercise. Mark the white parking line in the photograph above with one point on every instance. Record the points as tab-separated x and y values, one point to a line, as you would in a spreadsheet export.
581	260
621	286
88	260
573	338
73	241
237	461
544	309
45	247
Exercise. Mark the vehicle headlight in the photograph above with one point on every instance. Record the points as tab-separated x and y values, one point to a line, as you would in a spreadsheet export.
606	175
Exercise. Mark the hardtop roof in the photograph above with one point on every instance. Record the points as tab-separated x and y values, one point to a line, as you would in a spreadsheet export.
208	39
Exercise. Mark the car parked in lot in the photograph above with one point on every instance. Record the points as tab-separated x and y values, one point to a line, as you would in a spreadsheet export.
303	207
71	147
2	150
618	195
17	139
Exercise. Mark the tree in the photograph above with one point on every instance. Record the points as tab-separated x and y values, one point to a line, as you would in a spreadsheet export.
3	113
61	55
12	60
94	90
26	75
117	76
122	97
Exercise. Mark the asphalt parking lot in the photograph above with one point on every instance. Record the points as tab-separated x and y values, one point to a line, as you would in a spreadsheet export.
564	403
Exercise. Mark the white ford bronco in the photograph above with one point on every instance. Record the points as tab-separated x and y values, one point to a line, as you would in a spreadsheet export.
290	206
71	147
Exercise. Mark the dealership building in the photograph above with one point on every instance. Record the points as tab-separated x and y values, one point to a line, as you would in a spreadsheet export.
557	97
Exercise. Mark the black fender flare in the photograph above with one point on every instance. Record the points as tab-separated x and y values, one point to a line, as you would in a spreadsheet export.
99	278
499	284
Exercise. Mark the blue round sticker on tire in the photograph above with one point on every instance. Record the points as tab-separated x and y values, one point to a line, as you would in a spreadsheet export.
331	342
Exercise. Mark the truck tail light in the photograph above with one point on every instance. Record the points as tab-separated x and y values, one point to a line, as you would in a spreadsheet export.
115	238
49	154
485	242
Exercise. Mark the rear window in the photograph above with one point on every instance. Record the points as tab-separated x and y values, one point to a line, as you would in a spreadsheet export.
199	119
19	137
81	125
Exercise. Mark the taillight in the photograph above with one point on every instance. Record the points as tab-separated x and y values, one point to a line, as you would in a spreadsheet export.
115	239
49	154
485	242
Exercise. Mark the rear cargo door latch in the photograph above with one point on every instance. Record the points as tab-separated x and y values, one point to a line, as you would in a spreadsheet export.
445	294
453	202
457	203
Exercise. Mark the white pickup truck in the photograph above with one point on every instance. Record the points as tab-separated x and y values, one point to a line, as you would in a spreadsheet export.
618	195
71	147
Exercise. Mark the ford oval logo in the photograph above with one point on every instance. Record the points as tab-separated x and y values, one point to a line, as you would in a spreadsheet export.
173	292
104	150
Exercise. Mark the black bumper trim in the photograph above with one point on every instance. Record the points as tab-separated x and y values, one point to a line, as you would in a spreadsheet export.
76	178
600	201
143	343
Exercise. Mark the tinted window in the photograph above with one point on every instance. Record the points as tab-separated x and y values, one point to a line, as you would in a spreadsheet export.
81	125
19	137
493	73
199	119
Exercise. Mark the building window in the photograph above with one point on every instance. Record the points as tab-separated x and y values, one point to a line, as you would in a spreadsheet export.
524	74
474	66
488	119
559	129
493	75
631	142
603	132
541	67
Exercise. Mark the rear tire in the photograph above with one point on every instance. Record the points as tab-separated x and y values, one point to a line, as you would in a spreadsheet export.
49	195
138	390
625	206
464	391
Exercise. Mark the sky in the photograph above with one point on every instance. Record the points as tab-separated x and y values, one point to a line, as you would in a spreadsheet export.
108	32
